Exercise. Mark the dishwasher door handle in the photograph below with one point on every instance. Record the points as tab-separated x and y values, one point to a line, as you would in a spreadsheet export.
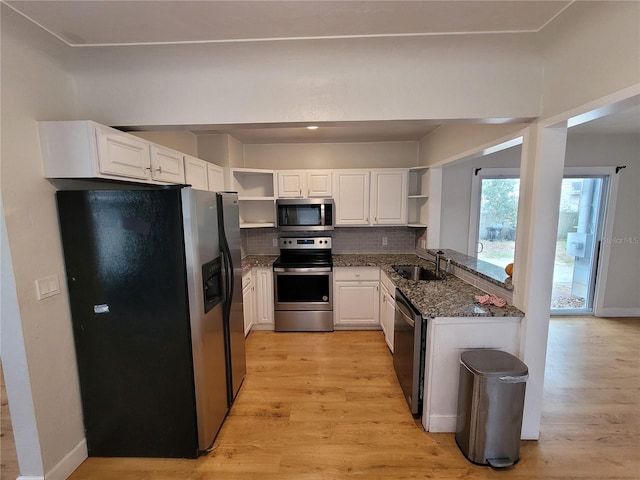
410	321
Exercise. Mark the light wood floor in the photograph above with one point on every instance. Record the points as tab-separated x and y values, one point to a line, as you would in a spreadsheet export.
328	406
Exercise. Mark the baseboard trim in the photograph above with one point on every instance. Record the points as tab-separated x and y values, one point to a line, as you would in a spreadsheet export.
30	477
442	423
68	464
619	312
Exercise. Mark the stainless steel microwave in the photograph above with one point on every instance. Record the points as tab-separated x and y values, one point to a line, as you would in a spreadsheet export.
305	214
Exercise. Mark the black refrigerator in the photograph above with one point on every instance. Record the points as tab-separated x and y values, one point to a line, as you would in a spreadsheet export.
154	281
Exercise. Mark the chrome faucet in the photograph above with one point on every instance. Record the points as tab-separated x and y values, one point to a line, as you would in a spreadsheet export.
437	262
438	257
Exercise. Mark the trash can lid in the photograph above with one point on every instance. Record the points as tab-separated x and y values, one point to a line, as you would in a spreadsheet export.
493	363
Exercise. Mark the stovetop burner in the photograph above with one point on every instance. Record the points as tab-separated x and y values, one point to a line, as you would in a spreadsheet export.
300	252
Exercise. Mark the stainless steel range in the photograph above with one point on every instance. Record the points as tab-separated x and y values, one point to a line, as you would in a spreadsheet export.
303	285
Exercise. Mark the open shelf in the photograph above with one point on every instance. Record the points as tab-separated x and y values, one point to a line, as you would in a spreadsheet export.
419	178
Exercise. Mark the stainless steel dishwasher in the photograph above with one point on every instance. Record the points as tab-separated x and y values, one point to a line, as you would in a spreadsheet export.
409	344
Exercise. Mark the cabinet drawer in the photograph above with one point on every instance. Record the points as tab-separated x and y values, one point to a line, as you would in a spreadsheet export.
356	274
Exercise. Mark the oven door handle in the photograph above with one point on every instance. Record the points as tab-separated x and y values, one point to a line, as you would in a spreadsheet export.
301	270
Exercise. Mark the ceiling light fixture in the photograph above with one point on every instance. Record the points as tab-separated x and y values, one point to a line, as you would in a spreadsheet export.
312	127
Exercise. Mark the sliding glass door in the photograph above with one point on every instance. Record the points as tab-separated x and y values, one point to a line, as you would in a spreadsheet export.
580	222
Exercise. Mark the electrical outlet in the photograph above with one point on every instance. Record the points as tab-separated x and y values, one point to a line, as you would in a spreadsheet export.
423	244
275	242
384	240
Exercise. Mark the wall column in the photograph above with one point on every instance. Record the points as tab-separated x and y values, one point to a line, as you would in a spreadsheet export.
541	173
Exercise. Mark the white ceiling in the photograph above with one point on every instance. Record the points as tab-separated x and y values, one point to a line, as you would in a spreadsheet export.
101	23
116	22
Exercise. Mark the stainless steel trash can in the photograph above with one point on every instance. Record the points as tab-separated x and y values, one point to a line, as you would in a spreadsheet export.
490	404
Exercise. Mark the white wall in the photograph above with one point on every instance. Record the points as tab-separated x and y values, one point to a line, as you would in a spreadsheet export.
450	142
331	155
446	77
591	50
36	86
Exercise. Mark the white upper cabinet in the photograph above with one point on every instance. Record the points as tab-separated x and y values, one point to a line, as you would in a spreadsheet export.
370	197
203	175
215	177
291	183
319	183
304	183
122	155
389	197
196	173
85	149
166	165
351	194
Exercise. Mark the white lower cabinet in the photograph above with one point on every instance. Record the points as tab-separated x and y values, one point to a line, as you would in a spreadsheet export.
356	303
387	308
264	298
248	301
447	338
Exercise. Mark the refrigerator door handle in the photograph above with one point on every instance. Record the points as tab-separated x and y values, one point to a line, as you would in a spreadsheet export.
230	279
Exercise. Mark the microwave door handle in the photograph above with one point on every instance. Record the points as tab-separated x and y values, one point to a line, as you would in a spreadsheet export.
322	221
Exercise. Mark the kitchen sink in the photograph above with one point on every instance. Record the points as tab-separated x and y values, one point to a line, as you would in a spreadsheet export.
416	272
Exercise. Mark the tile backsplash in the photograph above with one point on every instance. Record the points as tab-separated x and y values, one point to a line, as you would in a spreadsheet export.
259	241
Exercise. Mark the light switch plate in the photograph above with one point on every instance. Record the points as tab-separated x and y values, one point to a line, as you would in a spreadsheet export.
47	287
384	240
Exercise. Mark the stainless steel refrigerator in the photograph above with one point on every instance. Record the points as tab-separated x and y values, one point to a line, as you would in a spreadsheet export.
154	287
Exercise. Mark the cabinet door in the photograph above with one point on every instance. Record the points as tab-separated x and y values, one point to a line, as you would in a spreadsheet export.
356	304
351	193
389	197
249	307
196	173
215	177
122	155
319	183
291	184
264	280
390	311
166	165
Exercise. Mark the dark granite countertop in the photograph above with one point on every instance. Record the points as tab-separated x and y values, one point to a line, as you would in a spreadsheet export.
264	261
483	269
450	297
